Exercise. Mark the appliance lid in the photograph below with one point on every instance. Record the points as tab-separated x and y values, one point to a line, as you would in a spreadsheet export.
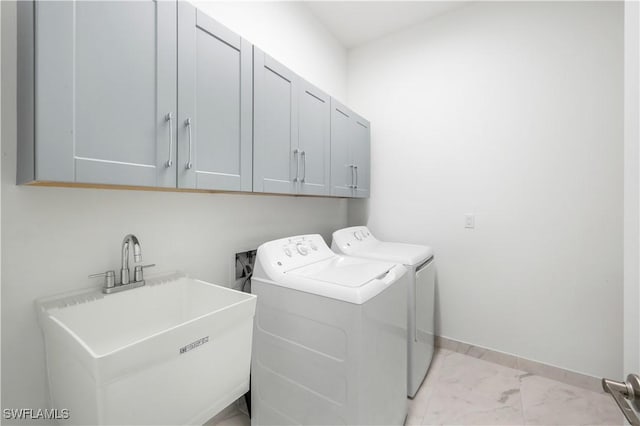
305	263
344	271
407	254
359	241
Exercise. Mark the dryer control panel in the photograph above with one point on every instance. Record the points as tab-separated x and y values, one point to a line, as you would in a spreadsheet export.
349	239
360	242
361	234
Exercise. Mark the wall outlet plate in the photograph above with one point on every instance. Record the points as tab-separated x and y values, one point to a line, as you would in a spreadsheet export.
469	220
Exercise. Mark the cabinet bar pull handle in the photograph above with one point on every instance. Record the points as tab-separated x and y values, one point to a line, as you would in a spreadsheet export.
187	123
295	158
352	179
356	169
169	118
304	163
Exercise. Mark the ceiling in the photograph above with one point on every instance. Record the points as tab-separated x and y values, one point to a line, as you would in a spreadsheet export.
357	22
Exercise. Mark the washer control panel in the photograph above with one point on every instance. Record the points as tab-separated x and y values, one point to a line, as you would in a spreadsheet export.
293	252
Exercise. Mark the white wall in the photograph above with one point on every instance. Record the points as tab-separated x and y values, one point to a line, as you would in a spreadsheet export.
632	189
0	186
53	237
512	111
290	33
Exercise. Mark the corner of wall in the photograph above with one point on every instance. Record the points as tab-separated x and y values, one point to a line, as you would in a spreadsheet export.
631	339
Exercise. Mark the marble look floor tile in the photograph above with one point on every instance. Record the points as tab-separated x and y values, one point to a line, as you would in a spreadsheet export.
555	373
463	390
471	391
231	411
472	409
549	402
237	420
461	374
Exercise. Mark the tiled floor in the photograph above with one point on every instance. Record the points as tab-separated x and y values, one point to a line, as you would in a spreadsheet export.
237	419
462	390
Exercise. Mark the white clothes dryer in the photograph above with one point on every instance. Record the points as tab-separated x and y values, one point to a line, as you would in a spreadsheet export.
358	241
329	342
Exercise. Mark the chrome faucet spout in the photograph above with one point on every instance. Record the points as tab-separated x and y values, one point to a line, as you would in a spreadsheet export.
128	241
110	285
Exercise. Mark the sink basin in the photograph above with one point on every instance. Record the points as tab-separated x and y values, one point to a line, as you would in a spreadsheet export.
175	351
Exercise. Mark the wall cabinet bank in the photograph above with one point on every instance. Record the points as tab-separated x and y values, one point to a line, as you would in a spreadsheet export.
158	94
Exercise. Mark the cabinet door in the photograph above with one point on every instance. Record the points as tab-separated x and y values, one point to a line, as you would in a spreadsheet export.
275	155
342	171
314	140
105	86
214	104
361	148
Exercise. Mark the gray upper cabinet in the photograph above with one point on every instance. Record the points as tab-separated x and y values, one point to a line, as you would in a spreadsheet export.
158	94
342	174
275	140
350	153
100	85
314	132
214	104
361	156
292	120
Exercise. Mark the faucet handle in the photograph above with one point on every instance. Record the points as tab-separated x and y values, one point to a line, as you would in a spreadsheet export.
137	272
109	278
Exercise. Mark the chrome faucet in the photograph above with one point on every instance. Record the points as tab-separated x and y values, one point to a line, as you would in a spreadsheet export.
110	285
137	256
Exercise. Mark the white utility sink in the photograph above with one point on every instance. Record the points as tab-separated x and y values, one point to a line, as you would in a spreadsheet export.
175	351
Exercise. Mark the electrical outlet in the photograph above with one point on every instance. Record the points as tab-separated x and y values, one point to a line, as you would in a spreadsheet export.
469	220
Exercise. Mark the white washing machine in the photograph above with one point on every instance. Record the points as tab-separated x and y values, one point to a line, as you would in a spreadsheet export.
358	241
329	342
